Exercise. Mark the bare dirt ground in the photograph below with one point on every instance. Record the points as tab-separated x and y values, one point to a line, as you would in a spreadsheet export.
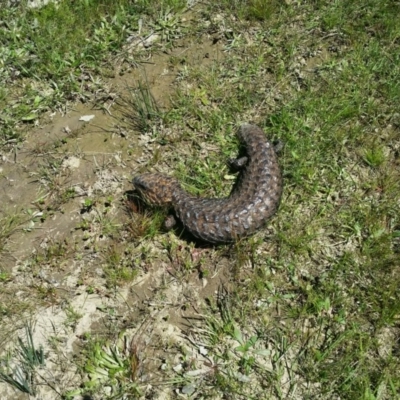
90	160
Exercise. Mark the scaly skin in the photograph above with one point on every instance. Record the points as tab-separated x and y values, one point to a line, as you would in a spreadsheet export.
254	198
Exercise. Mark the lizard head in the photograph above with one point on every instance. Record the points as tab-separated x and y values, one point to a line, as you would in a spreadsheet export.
156	189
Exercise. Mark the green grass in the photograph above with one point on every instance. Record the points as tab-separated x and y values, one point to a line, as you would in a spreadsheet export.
49	54
19	367
139	108
9	222
310	306
336	226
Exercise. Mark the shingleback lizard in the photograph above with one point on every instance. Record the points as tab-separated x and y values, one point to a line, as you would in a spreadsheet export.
254	198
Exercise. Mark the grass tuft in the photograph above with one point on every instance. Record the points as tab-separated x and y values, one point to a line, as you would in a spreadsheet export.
139	108
25	359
